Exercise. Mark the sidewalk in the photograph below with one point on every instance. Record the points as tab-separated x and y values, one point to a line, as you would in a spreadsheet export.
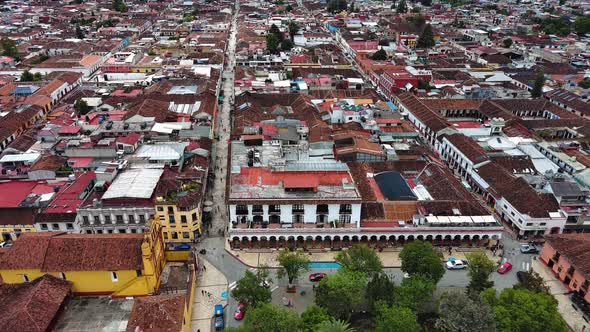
574	318
212	281
389	256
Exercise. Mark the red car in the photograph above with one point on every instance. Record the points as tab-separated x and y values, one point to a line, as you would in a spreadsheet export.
316	276
505	267
240	311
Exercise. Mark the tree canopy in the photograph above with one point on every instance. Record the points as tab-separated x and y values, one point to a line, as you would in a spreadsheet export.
342	293
479	269
360	258
582	25
8	47
334	325
380	55
26	76
517	310
380	289
426	39
414	292
292	264
272	42
269	317
81	106
337	5
396	319
312	317
538	85
293	29
120	6
507	42
420	259
402	7
250	290
460	313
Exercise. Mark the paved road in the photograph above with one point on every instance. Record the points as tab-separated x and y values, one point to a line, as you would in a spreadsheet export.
222	133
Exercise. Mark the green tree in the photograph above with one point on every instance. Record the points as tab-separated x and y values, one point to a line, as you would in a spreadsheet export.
584	84
360	258
334	325
37	77
380	289
396	319
507	42
479	269
79	32
533	281
276	31
414	292
312	317
286	45
293	263
119	5
426	39
337	5
26	76
289	8
8	47
81	106
268	317
342	293
272	43
520	310
402	7
460	313
420	259
379	55
582	25
250	290
293	29
538	85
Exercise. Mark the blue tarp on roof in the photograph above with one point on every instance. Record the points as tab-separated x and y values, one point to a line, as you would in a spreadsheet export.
24	90
331	28
391	105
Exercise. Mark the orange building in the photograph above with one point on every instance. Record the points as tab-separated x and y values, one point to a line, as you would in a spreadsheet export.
568	257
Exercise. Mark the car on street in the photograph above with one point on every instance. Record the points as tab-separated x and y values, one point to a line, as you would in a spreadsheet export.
265	283
504	267
5	244
316	276
240	311
456	264
219	323
528	249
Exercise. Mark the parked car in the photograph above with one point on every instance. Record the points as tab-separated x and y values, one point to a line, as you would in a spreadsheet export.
5	244
528	249
504	267
240	311
316	276
265	283
219	323
456	264
183	246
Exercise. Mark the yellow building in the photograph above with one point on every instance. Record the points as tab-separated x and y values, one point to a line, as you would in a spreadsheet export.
179	213
15	221
96	264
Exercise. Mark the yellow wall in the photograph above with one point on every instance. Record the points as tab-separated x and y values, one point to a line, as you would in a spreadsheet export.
168	228
177	255
188	308
145	69
100	282
13	228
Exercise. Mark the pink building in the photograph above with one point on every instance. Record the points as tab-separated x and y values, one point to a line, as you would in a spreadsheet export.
568	257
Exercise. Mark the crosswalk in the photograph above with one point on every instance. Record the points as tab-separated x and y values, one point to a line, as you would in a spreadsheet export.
232	285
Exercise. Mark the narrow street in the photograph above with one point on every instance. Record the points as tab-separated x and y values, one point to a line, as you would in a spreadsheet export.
222	133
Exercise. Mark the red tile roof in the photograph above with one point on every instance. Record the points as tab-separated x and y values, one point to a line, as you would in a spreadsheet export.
161	313
575	248
32	306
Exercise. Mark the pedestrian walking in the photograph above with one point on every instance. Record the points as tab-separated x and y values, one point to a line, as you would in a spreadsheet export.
204	268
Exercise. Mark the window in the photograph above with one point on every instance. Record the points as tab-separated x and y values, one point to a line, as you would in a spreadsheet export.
185	235
170	209
110	231
142	218
131	218
44	227
138	273
543	224
194	216
62	275
107	218
69	226
55	227
119	218
96	219
133	230
165	236
99	231
88	231
160	208
344	218
85	219
174	235
122	231
183	219
171	219
25	278
298	208
114	277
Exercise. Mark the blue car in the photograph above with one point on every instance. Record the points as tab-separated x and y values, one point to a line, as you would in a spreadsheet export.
219	323
183	246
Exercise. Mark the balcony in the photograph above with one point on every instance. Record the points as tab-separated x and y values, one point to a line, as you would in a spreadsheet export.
242	212
274	209
257	209
322	209
345	211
